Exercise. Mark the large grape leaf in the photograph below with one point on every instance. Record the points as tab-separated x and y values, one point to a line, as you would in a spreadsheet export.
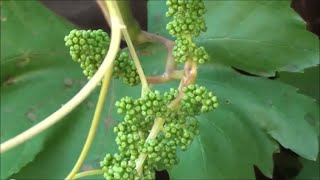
36	76
260	37
253	112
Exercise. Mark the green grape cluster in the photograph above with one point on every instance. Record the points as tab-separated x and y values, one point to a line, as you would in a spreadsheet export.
185	49
125	69
179	129
132	133
187	23
89	47
187	17
198	97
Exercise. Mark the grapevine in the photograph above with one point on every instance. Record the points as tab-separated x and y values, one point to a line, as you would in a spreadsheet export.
161	117
156	125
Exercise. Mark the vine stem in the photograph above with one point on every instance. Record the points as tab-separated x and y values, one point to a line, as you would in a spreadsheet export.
166	77
115	26
89	173
74	101
127	38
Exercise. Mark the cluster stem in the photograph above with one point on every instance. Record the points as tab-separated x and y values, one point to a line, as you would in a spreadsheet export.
143	79
156	128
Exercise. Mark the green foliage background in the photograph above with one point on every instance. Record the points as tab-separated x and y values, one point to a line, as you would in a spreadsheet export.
255	116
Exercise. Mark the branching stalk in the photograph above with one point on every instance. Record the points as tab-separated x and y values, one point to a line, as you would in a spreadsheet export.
165	77
170	63
171	72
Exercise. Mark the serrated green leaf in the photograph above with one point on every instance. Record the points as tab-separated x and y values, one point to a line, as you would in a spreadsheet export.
260	37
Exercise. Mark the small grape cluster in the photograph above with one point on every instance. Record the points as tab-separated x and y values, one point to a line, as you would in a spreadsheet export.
188	22
198	99
178	130
132	133
89	47
125	69
185	49
187	17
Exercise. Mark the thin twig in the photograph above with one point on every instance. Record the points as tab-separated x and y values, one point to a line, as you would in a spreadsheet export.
89	173
170	64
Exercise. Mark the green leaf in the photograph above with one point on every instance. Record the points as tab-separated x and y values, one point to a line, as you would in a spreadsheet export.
310	170
35	76
253	113
259	37
249	106
307	82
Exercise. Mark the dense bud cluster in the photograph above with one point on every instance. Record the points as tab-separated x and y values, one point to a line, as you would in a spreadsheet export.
185	49
187	22
187	17
89	47
199	98
125	69
121	167
177	131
